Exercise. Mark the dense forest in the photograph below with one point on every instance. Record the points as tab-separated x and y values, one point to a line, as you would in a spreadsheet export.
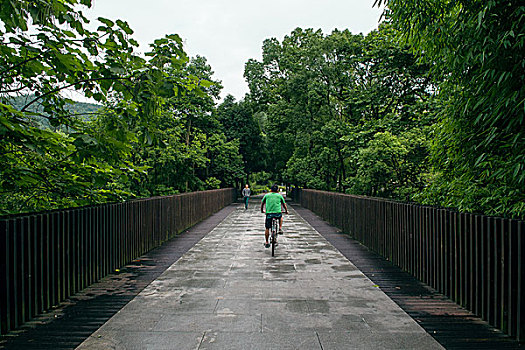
154	132
429	108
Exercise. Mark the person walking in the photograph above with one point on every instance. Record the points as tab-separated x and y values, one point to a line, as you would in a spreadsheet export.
246	193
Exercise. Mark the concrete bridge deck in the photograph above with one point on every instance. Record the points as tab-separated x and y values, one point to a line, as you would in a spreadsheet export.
228	292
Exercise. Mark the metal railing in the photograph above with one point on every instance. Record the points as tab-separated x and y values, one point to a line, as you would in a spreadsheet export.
475	260
47	257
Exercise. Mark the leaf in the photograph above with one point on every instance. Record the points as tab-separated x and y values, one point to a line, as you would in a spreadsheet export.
99	97
516	170
479	160
124	26
70	34
16	40
106	21
68	60
174	37
206	83
480	17
119	70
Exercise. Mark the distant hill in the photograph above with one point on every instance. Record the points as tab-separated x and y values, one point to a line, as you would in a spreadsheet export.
83	109
78	107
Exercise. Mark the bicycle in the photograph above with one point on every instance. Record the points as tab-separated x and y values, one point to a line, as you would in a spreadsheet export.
274	229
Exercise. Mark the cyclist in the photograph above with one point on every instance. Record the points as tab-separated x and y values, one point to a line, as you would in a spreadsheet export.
246	193
273	202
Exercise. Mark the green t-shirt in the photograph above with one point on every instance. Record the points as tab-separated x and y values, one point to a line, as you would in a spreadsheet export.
273	202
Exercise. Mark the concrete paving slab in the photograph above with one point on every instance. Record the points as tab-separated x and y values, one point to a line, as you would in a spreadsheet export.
260	341
228	292
133	340
354	339
233	323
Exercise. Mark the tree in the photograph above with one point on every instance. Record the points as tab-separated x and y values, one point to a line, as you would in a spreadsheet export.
153	134
239	124
325	97
475	49
45	50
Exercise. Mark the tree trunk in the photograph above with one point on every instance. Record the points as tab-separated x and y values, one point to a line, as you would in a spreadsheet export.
342	164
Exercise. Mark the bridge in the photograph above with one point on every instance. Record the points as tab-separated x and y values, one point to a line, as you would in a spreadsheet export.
191	272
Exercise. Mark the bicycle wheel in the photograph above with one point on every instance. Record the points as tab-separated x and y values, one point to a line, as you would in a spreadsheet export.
274	235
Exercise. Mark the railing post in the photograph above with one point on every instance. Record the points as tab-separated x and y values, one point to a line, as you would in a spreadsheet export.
5	278
520	262
33	267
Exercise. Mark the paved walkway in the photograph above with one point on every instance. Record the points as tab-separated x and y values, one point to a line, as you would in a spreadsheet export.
227	292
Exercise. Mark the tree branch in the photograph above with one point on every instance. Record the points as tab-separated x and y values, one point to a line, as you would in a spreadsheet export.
20	64
13	90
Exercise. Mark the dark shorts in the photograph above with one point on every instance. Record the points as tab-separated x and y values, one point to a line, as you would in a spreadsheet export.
269	217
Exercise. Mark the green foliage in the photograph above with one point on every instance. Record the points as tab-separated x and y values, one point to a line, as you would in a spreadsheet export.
260	182
153	135
391	166
329	103
476	51
429	107
48	153
239	123
177	148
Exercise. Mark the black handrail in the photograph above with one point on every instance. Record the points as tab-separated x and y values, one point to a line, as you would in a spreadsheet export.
47	257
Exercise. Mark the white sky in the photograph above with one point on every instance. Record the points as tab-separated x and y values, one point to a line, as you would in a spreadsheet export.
229	32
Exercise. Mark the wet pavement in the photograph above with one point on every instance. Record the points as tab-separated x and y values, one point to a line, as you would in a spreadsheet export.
228	292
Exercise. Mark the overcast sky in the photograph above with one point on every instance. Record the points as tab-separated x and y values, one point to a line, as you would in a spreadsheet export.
229	32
